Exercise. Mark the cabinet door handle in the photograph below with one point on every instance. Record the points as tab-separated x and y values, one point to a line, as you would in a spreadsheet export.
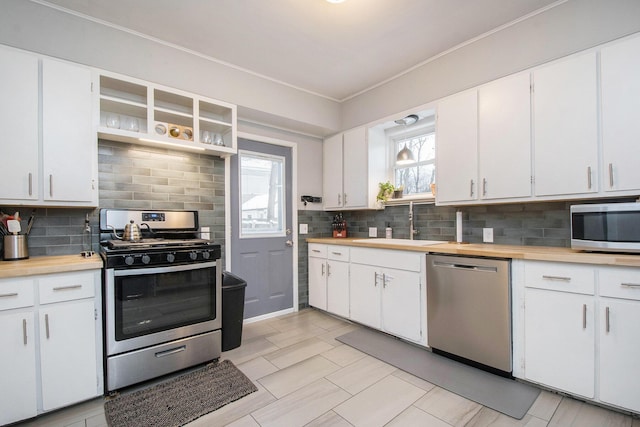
24	331
584	316
611	175
606	319
484	186
345	199
46	324
339	199
471	189
589	177
328	270
375	279
630	285
30	183
67	288
12	294
51	185
322	269
557	278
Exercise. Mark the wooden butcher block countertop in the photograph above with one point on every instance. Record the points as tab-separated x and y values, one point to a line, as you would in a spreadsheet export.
49	264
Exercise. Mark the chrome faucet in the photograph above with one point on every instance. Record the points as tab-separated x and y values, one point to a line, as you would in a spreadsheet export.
412	231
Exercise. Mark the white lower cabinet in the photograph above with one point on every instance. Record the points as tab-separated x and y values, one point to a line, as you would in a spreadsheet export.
387	291
58	362
17	366
329	278
580	329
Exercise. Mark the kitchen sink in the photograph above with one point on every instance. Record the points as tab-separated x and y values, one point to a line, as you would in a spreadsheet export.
399	242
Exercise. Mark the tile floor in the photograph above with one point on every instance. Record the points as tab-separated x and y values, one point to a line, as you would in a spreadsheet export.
307	378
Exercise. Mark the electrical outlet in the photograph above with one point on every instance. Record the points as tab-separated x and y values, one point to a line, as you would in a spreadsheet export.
304	228
205	233
487	235
373	232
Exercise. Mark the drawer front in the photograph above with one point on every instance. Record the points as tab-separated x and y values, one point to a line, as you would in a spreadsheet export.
619	282
67	286
558	276
338	253
16	293
401	260
317	251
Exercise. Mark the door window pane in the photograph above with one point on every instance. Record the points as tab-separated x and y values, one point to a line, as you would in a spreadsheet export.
261	195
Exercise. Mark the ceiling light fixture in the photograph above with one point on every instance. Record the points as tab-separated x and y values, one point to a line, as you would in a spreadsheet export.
409	120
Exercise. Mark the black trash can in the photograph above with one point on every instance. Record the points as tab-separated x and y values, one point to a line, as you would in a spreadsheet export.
232	310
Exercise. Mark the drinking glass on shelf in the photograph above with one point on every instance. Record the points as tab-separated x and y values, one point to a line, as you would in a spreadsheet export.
206	137
217	139
113	121
131	124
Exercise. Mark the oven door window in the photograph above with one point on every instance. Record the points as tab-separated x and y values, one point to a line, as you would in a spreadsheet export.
150	303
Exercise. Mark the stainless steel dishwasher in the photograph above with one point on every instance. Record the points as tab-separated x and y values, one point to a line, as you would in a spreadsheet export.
469	310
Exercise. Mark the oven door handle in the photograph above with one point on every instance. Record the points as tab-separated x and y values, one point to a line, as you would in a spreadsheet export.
157	270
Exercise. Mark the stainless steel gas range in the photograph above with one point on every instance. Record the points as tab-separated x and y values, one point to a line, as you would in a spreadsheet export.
161	292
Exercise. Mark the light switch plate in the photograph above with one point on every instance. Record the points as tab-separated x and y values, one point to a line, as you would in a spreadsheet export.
487	235
373	232
304	228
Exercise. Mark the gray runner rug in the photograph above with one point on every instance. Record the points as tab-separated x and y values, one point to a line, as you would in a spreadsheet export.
180	400
501	394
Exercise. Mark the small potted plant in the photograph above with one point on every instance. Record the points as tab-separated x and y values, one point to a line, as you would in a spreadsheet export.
385	191
397	193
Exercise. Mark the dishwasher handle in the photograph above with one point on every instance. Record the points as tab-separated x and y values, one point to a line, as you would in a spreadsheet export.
469	267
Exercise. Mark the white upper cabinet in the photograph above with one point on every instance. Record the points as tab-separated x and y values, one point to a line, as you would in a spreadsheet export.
47	114
19	118
504	138
620	68
457	148
565	120
68	137
139	112
353	165
332	172
483	139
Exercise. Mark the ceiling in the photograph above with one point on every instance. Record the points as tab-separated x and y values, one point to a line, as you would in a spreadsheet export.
333	50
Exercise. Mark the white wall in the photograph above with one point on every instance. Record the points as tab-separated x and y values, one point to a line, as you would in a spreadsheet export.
45	30
565	29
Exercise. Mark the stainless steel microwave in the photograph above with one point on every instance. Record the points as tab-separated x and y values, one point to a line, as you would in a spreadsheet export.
609	227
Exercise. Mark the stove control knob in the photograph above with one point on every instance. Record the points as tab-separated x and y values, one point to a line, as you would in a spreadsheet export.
146	259
193	256
171	257
206	255
128	260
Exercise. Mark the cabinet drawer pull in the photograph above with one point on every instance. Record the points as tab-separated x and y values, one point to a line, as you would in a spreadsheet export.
67	288
630	285
46	324
336	253
24	331
315	250
589	177
584	316
606	321
171	351
557	278
12	294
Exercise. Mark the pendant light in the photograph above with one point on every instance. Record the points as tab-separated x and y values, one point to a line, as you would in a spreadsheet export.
405	155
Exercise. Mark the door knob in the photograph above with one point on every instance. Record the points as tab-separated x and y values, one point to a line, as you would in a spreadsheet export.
289	243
